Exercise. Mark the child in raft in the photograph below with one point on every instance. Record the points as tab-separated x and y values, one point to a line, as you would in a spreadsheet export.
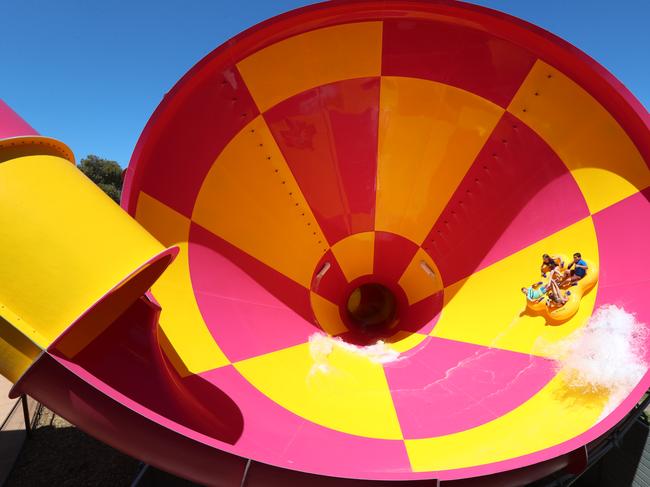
535	293
550	269
549	263
572	276
538	291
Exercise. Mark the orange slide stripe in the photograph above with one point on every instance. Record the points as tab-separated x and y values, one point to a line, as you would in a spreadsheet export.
250	199
312	59
429	135
603	160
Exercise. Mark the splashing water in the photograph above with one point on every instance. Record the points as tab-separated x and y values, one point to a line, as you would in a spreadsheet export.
606	355
321	346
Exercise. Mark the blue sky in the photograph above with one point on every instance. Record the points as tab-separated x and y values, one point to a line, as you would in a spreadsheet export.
91	72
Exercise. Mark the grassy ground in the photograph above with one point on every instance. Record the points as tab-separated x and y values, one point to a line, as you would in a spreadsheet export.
58	454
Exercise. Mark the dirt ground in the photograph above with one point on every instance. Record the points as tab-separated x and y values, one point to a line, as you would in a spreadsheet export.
58	454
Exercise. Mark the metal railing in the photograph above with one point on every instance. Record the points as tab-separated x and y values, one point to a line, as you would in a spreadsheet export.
22	401
12	422
611	440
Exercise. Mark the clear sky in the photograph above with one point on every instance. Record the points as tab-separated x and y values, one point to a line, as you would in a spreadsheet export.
91	72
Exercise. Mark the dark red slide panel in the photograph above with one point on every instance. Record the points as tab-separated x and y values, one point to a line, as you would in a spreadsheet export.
467	58
517	192
191	131
151	382
421	317
328	136
393	254
114	423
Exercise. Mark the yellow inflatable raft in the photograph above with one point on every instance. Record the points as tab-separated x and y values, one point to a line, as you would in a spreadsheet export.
573	294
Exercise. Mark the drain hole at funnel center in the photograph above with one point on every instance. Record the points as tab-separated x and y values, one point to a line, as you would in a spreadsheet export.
372	307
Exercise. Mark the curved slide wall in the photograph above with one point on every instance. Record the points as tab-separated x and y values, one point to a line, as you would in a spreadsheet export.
435	149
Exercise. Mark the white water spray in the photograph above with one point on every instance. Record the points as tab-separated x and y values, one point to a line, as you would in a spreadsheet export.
321	346
605	355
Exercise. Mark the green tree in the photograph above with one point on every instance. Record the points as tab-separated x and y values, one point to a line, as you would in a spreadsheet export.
104	173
